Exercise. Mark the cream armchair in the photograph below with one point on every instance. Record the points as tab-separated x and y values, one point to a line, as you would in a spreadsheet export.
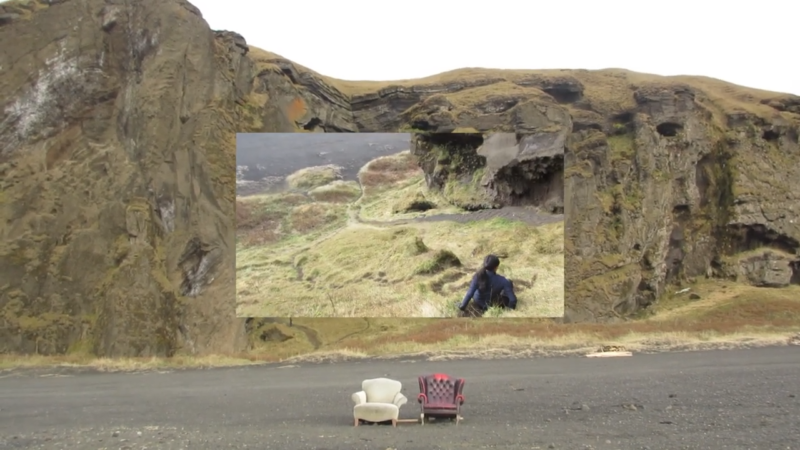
379	400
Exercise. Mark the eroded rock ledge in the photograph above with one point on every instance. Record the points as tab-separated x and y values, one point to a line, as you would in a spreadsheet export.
476	171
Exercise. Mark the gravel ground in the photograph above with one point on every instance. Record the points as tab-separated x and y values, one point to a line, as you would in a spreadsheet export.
742	399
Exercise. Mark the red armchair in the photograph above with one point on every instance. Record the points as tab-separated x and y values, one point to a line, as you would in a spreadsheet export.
440	396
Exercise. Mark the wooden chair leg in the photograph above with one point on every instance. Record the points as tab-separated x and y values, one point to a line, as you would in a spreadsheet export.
356	424
422	418
394	422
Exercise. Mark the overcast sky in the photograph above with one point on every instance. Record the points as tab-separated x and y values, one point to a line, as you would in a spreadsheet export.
747	43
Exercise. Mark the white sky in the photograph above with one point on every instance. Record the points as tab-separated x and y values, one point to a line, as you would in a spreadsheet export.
747	43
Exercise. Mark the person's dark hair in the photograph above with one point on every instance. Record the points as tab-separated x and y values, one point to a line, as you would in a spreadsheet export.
491	262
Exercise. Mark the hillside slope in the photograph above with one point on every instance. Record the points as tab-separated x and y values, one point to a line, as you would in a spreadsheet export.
117	171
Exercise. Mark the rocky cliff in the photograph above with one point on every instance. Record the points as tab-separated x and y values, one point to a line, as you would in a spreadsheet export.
117	141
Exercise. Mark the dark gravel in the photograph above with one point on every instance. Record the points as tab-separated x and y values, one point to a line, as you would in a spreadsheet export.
746	399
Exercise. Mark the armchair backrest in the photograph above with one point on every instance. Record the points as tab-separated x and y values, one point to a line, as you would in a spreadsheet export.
381	390
441	388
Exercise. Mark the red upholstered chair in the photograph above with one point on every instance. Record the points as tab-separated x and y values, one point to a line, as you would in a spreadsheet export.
440	396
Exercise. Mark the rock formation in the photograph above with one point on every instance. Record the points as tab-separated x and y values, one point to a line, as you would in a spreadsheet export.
117	171
496	170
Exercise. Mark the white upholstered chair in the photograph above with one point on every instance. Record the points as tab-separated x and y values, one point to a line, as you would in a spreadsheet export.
379	400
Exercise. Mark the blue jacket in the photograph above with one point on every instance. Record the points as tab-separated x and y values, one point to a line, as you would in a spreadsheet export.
497	284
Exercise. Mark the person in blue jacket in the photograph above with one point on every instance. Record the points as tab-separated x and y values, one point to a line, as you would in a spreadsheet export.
487	289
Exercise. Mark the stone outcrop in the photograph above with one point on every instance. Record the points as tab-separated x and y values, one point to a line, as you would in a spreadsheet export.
527	169
476	171
117	171
765	268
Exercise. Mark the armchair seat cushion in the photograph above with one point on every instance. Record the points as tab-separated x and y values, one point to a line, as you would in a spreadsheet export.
376	412
447	406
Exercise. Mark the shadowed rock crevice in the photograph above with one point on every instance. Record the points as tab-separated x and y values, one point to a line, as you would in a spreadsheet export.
527	169
564	94
770	135
681	218
198	264
795	266
669	129
563	89
538	182
743	238
446	157
312	124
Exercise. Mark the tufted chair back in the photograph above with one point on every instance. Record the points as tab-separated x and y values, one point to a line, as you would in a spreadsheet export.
441	389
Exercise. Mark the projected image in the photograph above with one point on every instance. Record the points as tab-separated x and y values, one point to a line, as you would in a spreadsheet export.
399	225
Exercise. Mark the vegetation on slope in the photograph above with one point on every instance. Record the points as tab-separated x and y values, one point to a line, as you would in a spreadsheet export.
301	255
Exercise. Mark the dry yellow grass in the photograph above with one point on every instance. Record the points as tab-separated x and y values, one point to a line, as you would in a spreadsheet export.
367	271
366	267
313	177
383	205
14	361
391	183
728	315
740	316
263	220
386	172
729	302
336	192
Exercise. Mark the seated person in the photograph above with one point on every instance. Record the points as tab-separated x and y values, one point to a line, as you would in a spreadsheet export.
488	289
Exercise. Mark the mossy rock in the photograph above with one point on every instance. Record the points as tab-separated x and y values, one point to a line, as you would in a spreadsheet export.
442	260
418	203
417	246
313	177
336	192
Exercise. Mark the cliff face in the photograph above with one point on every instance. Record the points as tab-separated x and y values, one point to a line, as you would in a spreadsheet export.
117	162
666	179
117	171
688	175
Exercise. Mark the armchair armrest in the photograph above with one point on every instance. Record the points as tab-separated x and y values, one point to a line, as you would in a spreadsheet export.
460	399
422	398
399	399
359	397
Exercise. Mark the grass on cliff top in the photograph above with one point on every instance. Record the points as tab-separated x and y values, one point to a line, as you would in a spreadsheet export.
728	315
608	90
379	261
